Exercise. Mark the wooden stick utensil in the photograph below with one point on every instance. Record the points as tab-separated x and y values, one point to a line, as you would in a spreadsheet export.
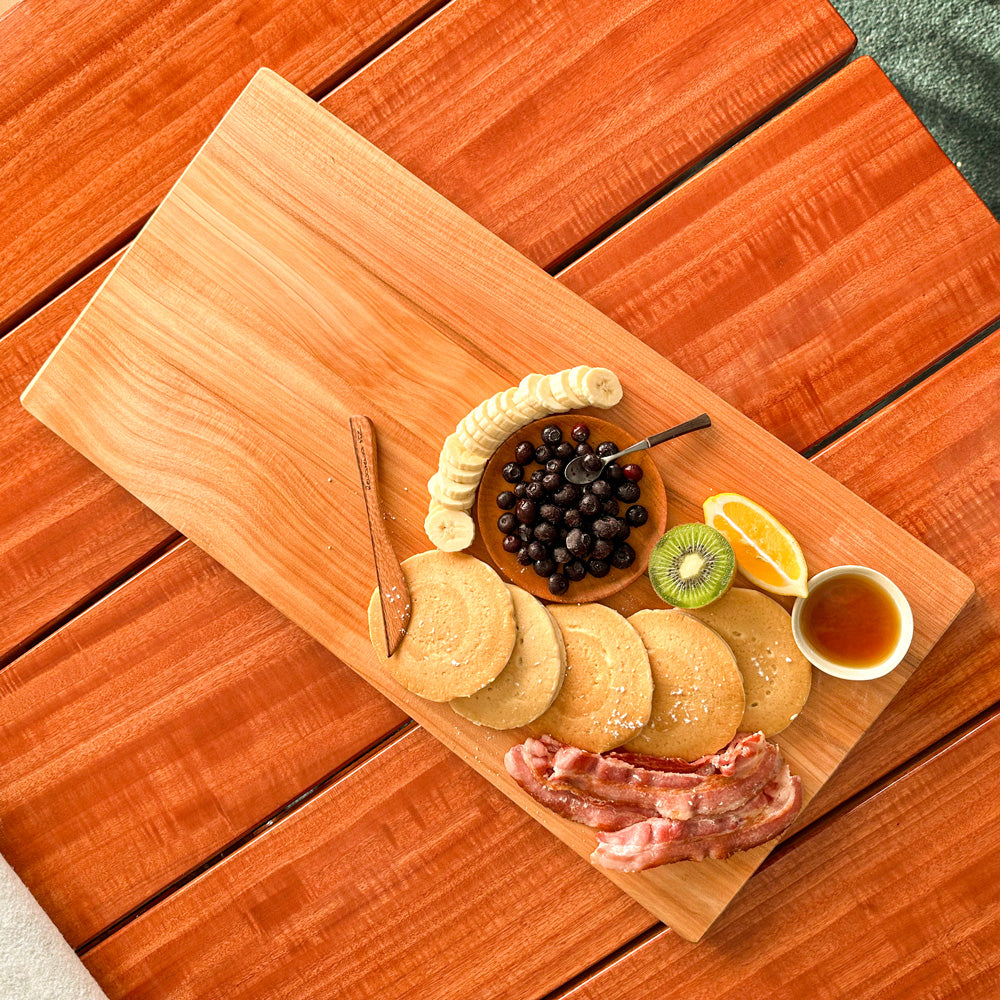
393	592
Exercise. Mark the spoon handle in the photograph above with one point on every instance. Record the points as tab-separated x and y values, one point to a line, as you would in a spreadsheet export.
694	424
393	592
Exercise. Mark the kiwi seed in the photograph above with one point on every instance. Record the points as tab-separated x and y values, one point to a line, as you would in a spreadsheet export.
692	565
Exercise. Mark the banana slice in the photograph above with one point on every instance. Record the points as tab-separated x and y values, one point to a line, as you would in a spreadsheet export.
599	387
449	494
458	476
501	415
562	389
458	457
472	445
545	395
449	530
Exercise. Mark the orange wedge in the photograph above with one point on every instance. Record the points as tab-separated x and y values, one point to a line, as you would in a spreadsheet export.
766	552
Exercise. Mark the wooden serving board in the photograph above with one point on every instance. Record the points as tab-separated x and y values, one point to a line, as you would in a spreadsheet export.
295	276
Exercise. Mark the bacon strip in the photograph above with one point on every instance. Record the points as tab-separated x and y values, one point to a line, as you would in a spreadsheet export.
530	765
742	770
658	841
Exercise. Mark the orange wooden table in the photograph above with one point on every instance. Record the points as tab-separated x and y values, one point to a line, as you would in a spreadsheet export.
206	802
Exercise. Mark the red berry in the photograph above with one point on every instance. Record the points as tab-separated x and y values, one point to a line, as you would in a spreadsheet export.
633	472
580	433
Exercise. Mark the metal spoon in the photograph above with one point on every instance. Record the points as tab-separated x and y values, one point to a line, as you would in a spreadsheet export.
576	473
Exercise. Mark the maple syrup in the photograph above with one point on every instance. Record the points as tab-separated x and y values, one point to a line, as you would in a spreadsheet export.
851	620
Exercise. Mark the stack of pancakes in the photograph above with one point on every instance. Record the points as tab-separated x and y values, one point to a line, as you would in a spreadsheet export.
667	683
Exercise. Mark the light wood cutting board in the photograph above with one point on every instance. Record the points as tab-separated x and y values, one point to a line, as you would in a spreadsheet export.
295	276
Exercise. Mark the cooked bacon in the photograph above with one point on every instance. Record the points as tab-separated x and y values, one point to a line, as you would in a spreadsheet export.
651	814
530	765
658	841
741	771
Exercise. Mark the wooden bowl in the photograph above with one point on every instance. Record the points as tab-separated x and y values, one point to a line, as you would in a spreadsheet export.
642	539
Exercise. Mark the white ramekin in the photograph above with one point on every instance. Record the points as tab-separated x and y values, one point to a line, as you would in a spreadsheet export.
879	669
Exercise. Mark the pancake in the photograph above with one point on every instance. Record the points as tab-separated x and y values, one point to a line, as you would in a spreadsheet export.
776	676
461	630
530	681
607	693
697	688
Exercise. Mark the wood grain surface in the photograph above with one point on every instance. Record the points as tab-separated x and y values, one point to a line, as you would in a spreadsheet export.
102	104
156	728
928	930
409	878
66	529
105	104
236	442
578	111
837	250
54	571
930	461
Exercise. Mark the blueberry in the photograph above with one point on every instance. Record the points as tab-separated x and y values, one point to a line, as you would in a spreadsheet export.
601	550
551	434
525	532
535	491
506	500
575	570
606	527
628	492
579	542
623	529
545	531
552	482
554	465
598	567
551	512
589	505
606	448
580	433
544	567
513	472
525	511
520	490
511	543
561	555
524	453
623	556
522	556
507	523
610	508
537	551
542	454
601	489
572	518
637	515
567	495
591	463
584	449
564	449
558	584
613	472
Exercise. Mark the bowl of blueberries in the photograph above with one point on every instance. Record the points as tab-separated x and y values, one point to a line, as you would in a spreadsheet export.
562	541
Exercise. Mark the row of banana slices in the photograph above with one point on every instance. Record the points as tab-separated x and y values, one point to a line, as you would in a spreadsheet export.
448	524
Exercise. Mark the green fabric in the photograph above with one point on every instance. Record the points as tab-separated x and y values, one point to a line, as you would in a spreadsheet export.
944	58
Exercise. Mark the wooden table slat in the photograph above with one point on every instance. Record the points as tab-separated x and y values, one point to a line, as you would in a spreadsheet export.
413	878
575	112
102	105
931	461
894	900
158	727
813	268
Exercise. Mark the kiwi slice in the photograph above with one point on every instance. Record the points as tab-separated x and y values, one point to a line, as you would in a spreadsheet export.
692	565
